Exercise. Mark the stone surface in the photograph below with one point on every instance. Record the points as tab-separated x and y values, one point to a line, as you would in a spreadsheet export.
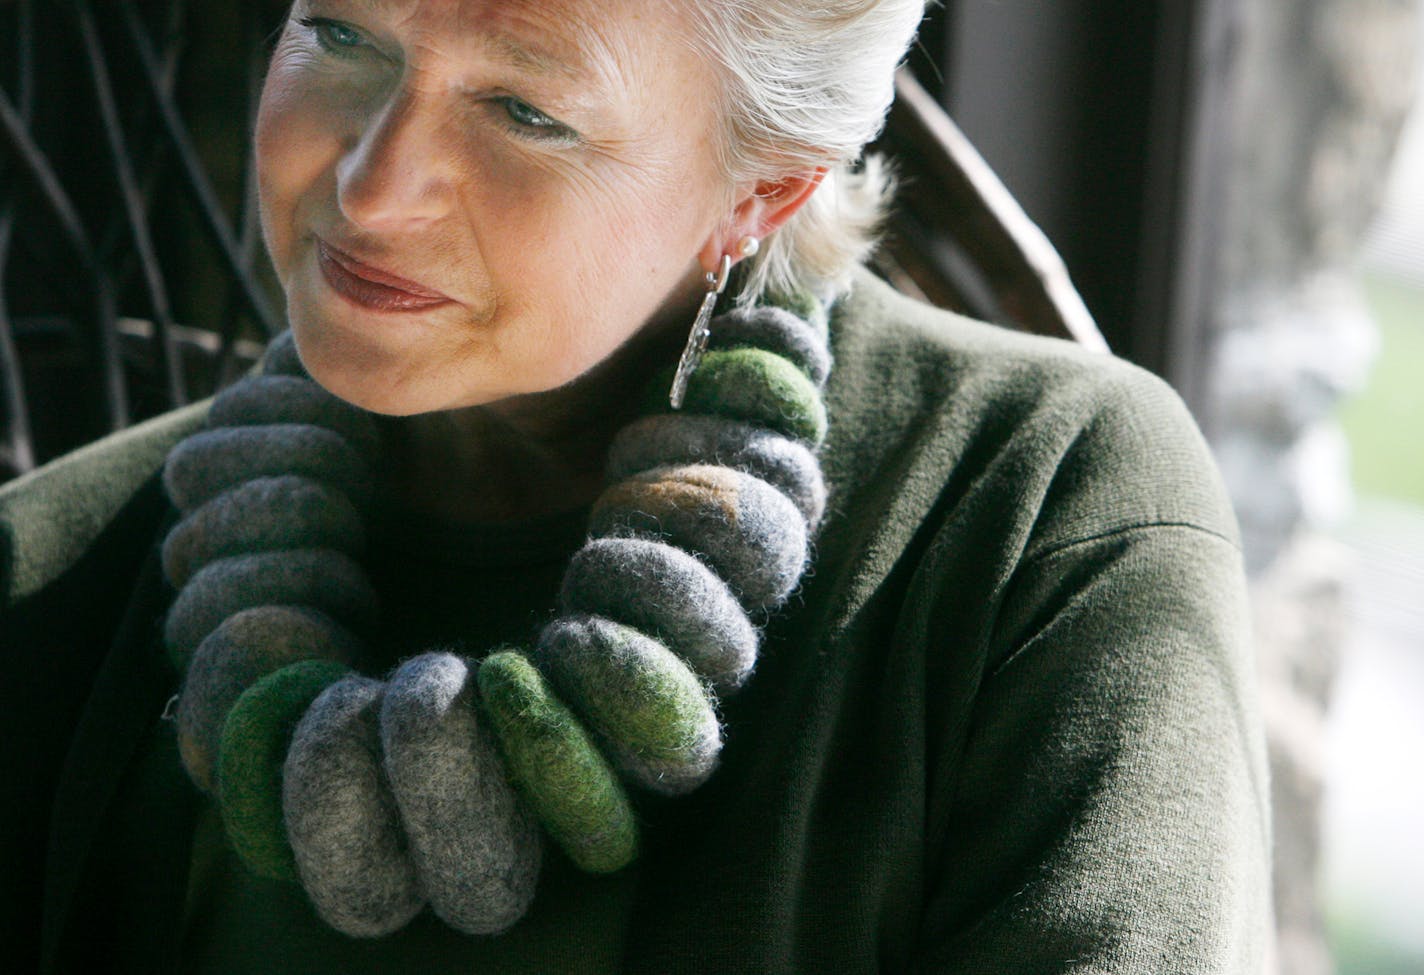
1285	358
1297	610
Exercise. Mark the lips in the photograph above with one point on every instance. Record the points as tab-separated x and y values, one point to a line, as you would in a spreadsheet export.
371	287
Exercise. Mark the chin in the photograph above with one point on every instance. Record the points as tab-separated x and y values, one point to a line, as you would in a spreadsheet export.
365	396
368	377
401	382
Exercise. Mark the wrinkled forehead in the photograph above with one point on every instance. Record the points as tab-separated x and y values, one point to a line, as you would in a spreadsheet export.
621	43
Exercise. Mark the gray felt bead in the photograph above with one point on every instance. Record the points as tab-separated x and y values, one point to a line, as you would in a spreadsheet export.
814	311
663	591
775	330
325	579
245	647
687	438
475	847
281	357
266	514
261	400
651	713
751	535
342	821
213	461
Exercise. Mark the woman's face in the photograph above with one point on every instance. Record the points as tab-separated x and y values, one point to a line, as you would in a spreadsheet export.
467	200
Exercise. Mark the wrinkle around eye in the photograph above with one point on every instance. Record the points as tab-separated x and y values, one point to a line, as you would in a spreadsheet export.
297	54
630	158
603	175
292	52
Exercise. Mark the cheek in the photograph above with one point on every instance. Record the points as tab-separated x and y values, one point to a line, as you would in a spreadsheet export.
294	143
630	263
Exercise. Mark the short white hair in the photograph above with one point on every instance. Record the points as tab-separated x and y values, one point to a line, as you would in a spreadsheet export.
807	83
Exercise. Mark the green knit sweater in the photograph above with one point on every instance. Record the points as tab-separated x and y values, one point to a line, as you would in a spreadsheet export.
1008	724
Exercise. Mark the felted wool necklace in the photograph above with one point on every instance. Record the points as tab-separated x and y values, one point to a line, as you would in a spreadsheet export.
438	784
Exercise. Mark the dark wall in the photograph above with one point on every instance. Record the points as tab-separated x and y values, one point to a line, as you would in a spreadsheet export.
1082	109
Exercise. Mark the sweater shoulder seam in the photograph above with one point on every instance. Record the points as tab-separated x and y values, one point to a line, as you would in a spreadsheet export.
1057	548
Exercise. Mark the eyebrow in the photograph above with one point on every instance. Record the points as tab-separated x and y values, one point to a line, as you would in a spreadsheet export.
505	46
517	53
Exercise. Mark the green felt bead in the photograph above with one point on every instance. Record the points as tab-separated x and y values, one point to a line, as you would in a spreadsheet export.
556	767
759	387
651	711
250	756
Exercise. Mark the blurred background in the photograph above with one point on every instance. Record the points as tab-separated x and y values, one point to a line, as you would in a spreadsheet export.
1373	846
1235	187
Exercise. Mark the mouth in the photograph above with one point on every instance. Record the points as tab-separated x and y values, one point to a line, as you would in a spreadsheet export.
371	287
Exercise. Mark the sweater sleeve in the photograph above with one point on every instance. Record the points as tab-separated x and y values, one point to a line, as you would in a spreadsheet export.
1107	812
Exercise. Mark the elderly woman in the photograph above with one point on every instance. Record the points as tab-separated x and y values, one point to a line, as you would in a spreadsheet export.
519	615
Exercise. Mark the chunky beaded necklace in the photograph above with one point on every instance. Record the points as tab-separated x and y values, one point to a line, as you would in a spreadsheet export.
439	784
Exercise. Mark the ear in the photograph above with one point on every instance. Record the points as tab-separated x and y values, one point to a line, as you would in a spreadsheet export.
759	213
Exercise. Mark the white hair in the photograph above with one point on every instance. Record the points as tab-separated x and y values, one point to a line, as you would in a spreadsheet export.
807	83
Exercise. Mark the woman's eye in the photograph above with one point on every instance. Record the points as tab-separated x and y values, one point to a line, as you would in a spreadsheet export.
340	39
530	123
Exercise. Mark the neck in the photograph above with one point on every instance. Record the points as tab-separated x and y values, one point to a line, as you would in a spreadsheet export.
529	455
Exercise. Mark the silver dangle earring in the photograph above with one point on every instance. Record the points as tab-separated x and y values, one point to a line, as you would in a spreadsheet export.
697	338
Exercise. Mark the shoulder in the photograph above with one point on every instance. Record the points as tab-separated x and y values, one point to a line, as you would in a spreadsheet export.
49	517
1064	443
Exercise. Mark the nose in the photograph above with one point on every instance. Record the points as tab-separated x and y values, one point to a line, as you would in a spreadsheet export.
395	172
